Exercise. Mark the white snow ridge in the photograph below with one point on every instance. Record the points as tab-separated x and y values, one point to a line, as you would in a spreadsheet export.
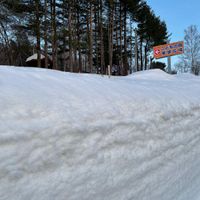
87	137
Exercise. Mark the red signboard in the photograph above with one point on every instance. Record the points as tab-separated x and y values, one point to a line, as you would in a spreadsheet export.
167	50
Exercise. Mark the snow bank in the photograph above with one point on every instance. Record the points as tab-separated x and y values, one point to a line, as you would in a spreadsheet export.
87	137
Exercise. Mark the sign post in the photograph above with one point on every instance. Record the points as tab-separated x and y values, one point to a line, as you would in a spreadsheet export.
168	50
169	64
109	71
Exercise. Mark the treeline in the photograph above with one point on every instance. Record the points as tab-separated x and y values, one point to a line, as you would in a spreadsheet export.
80	35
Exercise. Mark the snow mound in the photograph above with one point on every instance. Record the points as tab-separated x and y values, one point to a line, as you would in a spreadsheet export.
151	74
88	137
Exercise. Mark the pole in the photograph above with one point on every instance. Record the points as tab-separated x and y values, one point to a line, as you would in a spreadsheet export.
169	61
169	64
109	71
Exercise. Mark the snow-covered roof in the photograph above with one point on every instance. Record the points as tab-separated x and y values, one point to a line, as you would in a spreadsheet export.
34	57
88	137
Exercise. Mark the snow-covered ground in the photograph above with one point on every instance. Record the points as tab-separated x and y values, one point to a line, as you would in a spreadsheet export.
87	137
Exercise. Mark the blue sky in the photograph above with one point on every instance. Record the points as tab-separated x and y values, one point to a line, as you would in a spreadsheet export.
178	15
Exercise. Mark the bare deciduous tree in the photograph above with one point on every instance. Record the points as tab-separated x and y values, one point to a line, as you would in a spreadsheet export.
191	55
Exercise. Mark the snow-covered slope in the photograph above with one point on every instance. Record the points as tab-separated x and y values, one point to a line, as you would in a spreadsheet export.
87	137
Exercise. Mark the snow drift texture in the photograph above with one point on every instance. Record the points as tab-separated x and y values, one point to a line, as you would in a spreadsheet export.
87	137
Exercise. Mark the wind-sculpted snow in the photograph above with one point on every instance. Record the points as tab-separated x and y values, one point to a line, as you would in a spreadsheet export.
87	137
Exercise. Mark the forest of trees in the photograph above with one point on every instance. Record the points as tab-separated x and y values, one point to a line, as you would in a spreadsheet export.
80	35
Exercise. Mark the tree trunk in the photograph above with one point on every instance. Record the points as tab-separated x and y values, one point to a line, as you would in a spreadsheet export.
141	54
38	33
91	39
70	38
110	33
125	42
136	52
45	35
121	38
131	49
96	38
54	35
102	61
79	42
145	57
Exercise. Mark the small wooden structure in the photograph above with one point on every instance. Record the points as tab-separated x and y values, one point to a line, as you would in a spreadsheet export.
32	61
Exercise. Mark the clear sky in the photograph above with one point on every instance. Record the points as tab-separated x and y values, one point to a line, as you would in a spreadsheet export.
178	15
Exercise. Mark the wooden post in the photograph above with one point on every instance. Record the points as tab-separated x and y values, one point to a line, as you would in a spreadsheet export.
109	71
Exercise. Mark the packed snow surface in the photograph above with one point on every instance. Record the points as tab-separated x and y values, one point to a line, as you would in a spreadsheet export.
87	137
